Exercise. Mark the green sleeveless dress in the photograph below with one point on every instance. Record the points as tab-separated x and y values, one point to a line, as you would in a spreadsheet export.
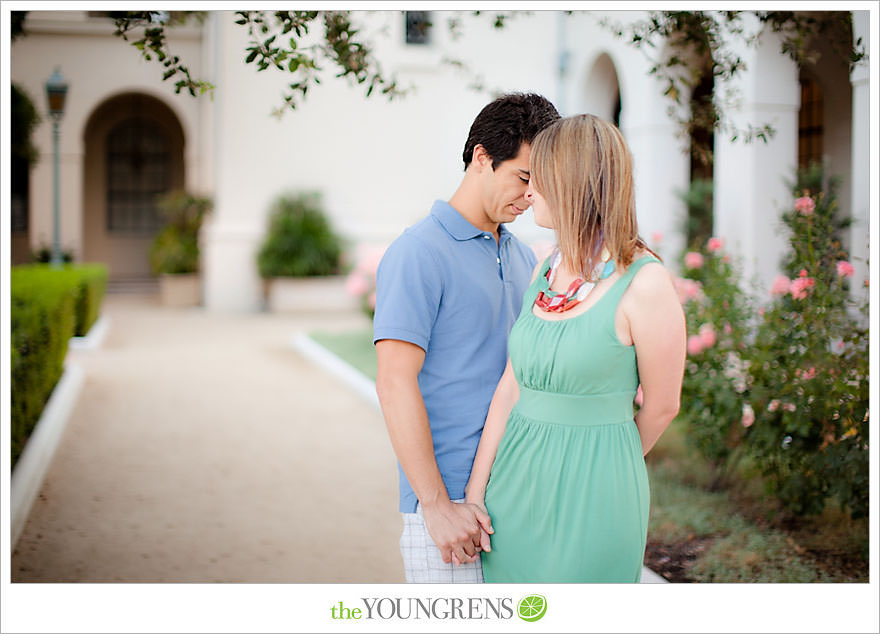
568	493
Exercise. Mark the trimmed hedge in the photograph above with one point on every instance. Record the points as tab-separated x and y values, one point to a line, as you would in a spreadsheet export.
92	285
45	304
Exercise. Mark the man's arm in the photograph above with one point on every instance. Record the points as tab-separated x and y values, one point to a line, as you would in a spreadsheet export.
506	395
455	528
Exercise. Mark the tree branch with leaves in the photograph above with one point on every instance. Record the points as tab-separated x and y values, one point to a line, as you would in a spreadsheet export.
686	46
275	40
300	43
148	27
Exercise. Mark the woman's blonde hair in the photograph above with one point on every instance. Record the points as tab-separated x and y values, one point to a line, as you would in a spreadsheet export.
582	167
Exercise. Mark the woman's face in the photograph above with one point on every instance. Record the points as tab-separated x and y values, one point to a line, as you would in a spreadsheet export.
539	207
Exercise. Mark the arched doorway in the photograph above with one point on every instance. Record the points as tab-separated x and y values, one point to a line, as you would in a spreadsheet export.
701	136
824	128
810	122
602	90
133	153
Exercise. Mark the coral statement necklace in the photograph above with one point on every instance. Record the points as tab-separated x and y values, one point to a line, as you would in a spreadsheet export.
552	302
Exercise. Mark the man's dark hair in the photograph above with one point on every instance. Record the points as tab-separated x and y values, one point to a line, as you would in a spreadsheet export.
506	123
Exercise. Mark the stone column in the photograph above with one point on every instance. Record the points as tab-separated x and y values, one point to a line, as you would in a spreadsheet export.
661	163
230	238
861	151
750	177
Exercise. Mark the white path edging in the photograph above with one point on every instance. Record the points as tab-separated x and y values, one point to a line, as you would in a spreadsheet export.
353	377
649	576
33	463
366	388
93	338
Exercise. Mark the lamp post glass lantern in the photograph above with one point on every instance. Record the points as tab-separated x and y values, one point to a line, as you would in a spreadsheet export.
56	91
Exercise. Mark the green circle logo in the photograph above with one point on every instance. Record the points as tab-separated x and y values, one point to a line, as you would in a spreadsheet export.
532	608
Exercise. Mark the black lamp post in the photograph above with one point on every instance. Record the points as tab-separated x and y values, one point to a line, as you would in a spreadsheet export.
56	91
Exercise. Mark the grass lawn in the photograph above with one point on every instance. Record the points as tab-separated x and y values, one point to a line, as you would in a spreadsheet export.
356	347
696	534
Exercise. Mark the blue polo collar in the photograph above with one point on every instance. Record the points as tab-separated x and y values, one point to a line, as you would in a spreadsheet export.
458	226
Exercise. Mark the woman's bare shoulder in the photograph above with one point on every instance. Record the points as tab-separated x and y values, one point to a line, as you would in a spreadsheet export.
652	281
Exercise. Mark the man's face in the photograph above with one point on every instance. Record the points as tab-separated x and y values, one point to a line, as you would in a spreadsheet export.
504	188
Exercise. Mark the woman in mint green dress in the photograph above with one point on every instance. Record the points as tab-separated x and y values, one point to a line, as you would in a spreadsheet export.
568	493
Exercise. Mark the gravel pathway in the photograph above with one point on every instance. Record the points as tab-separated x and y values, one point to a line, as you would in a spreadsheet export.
204	448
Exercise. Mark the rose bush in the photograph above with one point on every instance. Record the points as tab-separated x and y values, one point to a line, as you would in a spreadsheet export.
716	378
783	379
809	366
361	282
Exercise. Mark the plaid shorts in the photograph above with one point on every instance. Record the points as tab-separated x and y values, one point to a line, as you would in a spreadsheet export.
421	557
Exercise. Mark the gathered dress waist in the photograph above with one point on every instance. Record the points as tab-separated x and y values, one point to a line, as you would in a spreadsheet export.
575	410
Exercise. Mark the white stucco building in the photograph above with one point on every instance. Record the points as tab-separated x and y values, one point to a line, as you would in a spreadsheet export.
380	164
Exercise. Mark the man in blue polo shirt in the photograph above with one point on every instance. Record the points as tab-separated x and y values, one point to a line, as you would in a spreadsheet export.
448	291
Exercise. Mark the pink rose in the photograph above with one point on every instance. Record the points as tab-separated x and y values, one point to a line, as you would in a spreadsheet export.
804	205
727	329
707	335
687	289
693	260
694	344
808	374
773	405
714	244
748	416
790	407
356	285
845	269
800	285
368	261
657	237
780	285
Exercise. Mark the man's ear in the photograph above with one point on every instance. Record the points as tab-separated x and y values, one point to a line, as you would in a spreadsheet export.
481	158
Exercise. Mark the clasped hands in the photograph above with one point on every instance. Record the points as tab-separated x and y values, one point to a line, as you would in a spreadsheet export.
460	530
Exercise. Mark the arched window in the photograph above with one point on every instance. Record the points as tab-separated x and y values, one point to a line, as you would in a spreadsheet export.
138	170
601	90
810	128
615	115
